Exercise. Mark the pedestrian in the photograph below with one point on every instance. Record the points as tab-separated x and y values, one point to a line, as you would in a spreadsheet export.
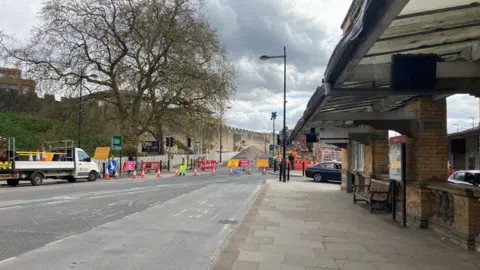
183	166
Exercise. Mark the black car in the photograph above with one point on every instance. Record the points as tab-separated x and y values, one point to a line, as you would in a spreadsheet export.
325	171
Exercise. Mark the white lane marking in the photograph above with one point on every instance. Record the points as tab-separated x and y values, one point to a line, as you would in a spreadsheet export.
113	214
78	212
183	211
55	242
153	204
204	202
6	260
119	202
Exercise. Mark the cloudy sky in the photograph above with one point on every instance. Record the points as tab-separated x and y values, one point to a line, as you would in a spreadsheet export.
250	28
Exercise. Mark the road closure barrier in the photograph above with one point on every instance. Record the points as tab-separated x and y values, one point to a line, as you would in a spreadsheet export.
244	163
232	163
128	166
262	163
207	164
150	166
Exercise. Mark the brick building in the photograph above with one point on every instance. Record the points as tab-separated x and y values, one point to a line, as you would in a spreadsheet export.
392	71
11	80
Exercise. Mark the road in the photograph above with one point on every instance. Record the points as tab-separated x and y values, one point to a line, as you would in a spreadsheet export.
122	224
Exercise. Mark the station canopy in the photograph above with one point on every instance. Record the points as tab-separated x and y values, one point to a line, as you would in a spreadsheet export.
375	67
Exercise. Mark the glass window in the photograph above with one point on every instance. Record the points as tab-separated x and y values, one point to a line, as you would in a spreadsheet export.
459	176
82	156
2	74
358	151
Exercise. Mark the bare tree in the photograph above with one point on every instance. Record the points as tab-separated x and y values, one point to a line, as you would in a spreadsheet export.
135	53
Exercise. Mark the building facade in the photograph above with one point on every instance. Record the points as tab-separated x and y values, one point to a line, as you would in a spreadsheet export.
11	80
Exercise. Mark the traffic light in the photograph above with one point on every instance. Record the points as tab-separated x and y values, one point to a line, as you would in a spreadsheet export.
172	141
189	142
167	141
279	142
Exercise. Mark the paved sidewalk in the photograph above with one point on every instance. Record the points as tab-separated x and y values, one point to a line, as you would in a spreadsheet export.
305	225
293	173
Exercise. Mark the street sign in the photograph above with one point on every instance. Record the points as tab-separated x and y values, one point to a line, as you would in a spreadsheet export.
116	143
101	153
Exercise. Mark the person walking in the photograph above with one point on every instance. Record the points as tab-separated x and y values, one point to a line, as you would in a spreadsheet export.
183	167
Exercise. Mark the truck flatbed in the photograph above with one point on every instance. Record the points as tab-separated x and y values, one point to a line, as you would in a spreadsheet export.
44	165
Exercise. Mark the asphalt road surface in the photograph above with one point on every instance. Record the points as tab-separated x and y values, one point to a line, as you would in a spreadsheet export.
169	223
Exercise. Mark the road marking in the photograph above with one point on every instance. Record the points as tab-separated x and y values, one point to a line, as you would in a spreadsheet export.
153	204
204	202
183	211
119	202
113	214
55	242
9	259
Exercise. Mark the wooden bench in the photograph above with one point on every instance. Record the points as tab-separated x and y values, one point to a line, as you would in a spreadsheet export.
376	192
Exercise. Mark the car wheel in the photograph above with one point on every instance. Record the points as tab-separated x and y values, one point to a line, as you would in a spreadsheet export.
13	182
36	179
92	176
317	177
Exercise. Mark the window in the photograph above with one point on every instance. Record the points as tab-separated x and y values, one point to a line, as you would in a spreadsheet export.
2	74
25	89
459	176
82	156
358	151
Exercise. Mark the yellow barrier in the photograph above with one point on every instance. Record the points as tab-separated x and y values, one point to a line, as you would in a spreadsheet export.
233	163
262	163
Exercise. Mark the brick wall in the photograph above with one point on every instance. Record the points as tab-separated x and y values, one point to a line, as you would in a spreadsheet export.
381	161
428	155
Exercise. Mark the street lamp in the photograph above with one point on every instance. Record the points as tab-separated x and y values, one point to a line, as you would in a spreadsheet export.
456	126
273	117
221	132
473	121
284	139
80	111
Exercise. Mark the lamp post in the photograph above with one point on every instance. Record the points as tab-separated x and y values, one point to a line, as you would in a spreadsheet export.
221	133
80	109
456	126
473	121
273	117
284	139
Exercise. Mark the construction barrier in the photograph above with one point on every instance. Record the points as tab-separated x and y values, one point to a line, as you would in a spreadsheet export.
244	163
232	163
129	166
262	163
150	166
207	164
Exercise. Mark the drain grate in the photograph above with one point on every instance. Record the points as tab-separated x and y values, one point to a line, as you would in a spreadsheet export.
225	221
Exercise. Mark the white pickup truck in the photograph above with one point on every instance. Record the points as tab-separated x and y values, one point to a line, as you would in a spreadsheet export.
66	162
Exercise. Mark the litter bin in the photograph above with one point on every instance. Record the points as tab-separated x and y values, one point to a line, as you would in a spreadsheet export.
350	182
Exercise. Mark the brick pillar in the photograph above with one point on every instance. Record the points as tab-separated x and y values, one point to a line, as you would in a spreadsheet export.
376	153
427	156
346	160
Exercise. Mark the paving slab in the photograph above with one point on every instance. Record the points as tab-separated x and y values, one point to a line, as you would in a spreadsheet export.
304	225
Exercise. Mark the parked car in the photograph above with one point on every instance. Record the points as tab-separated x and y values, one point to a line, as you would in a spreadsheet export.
465	177
325	171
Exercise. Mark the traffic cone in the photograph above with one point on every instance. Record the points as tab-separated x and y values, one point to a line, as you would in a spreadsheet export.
143	174
44	154
158	173
195	173
134	176
264	171
231	171
106	176
30	157
37	158
214	172
176	172
249	171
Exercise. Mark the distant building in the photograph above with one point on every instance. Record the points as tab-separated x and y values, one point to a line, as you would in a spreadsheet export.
11	80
